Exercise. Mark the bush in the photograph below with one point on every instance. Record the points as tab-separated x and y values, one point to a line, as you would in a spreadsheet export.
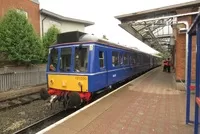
49	38
19	40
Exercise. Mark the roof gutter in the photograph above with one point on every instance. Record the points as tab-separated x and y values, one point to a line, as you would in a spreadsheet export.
62	18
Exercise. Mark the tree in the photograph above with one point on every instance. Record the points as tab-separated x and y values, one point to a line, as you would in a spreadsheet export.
159	54
18	39
49	38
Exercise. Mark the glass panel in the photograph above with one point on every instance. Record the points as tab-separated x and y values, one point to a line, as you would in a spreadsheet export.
81	59
125	59
53	59
65	59
121	59
115	60
130	60
134	58
101	59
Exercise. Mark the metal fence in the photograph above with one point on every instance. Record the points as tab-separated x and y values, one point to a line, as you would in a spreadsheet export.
17	80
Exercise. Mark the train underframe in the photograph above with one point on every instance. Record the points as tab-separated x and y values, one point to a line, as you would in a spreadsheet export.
73	99
70	99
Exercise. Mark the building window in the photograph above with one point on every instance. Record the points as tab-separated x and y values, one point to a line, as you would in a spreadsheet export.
22	12
101	59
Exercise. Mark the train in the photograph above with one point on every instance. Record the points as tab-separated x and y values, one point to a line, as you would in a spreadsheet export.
81	65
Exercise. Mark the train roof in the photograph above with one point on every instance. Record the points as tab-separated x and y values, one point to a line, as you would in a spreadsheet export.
76	37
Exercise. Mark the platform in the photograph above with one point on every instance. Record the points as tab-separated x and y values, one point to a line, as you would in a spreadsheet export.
149	104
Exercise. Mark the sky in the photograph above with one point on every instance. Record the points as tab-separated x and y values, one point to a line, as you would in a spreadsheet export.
102	13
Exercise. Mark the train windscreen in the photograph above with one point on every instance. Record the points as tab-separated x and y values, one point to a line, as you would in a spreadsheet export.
80	58
53	59
65	59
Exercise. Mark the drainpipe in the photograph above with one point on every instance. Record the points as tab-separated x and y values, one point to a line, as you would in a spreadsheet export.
43	25
186	48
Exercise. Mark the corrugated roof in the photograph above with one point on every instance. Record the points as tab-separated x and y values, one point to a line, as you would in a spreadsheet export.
57	16
154	26
167	10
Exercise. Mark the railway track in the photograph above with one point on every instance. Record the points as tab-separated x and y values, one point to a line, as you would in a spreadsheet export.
43	123
18	101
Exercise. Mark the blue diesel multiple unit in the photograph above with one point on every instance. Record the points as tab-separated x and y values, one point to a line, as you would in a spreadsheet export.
80	65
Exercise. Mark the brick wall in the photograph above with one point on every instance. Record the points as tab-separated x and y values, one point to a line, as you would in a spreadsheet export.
30	7
180	49
194	58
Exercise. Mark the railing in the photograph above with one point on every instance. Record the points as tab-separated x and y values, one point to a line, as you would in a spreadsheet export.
17	80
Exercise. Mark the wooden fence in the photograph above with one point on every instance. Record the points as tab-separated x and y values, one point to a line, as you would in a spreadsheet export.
17	80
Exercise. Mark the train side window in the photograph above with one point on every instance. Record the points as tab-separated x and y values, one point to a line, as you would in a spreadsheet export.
134	56
132	60
125	59
137	61
81	59
115	60
101	59
121	59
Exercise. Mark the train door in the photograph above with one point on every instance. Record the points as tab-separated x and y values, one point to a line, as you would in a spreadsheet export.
103	66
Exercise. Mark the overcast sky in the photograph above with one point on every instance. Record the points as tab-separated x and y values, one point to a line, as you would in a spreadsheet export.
102	13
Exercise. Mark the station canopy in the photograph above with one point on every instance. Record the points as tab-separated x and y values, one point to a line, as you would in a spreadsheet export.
155	27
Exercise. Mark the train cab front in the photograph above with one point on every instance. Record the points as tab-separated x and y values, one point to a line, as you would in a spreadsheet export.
67	75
